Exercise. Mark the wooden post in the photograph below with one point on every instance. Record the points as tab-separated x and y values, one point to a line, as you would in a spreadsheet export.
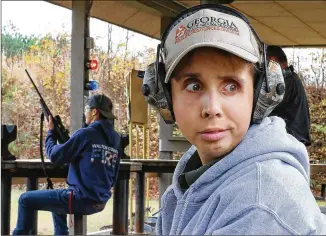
120	204
5	204
140	202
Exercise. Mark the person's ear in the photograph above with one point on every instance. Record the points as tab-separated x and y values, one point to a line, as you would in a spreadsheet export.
94	112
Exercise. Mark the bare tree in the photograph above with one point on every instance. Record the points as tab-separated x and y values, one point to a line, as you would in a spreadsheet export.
318	68
109	52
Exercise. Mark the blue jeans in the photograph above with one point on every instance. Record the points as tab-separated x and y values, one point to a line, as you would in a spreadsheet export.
56	201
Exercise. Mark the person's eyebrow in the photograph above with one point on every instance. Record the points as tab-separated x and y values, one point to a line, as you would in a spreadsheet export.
187	75
197	75
232	77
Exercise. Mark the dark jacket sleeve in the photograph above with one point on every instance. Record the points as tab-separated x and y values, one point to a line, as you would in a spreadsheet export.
294	109
64	153
301	121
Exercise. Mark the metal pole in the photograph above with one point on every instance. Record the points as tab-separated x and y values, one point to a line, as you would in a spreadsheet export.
140	192
79	55
80	33
32	184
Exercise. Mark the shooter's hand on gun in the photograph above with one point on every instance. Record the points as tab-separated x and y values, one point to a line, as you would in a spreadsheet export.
50	123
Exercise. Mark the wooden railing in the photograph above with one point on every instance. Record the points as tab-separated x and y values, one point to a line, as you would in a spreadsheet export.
32	170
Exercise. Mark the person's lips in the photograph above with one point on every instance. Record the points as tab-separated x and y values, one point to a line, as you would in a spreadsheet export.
213	134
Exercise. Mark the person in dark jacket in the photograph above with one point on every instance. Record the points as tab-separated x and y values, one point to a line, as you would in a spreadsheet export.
94	155
294	108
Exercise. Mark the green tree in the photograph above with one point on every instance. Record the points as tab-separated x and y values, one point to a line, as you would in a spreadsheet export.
14	44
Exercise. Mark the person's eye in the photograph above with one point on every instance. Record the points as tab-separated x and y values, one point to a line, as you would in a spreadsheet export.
193	87
231	88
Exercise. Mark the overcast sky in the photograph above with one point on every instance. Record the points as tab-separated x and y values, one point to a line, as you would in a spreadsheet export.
40	18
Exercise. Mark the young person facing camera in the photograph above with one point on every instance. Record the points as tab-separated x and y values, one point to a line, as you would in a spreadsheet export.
244	174
212	94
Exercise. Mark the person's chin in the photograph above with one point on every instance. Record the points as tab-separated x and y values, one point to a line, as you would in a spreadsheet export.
219	149
218	153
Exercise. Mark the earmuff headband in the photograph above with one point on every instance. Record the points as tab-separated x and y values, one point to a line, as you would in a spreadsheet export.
196	27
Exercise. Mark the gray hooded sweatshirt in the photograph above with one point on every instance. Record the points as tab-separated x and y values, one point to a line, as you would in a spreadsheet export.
261	187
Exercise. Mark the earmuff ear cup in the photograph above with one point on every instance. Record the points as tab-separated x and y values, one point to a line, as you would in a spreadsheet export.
161	73
154	93
268	100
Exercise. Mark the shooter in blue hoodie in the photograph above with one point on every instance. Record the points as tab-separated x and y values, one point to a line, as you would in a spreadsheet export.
244	173
94	156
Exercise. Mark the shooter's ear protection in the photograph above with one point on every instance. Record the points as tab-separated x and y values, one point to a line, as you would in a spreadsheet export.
269	86
155	94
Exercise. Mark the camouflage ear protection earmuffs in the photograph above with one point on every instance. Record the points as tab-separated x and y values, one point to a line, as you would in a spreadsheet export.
269	84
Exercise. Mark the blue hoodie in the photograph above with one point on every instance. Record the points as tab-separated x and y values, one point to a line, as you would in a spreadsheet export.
261	187
94	156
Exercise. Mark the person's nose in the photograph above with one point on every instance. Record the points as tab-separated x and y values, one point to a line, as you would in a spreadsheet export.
211	104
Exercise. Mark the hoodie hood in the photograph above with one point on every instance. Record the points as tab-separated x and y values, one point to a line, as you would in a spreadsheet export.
104	124
270	136
260	188
105	127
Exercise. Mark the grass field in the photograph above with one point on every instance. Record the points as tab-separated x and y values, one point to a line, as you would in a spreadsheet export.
45	223
321	203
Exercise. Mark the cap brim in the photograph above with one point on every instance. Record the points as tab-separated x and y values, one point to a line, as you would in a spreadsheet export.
244	54
108	114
